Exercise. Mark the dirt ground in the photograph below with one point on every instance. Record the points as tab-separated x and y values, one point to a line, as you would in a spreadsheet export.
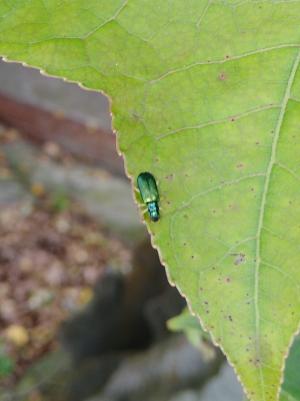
51	255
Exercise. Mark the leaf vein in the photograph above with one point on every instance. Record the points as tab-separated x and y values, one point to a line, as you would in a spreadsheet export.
221	121
263	205
224	60
218	187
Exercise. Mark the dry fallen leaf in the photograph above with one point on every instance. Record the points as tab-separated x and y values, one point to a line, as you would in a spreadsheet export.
85	295
37	189
17	335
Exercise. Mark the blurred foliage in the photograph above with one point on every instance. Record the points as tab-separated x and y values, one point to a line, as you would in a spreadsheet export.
7	364
190	326
291	384
60	201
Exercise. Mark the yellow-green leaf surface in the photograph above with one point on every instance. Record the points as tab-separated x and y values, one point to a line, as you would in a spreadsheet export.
206	96
291	384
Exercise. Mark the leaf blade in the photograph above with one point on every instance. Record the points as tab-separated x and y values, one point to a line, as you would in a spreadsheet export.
200	118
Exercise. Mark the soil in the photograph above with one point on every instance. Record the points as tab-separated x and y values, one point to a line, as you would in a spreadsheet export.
51	255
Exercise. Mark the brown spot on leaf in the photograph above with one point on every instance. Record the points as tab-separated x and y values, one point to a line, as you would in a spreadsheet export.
136	116
223	76
239	259
169	177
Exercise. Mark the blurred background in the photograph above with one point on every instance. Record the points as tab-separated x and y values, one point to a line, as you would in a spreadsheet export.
86	312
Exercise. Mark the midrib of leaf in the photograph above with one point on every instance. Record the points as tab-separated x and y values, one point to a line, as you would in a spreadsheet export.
263	205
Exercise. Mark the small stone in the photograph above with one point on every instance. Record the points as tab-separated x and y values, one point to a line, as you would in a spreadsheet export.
8	310
52	149
55	275
39	299
80	255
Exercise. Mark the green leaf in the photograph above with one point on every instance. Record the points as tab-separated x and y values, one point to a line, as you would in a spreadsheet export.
185	321
206	96
7	364
190	326
291	384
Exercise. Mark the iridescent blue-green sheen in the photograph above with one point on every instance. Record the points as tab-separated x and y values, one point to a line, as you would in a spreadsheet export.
149	193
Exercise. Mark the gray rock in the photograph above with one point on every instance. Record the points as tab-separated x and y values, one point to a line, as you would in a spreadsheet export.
156	374
107	198
223	387
11	191
53	94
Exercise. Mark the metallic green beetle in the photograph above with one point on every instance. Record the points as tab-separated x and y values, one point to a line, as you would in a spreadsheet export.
149	193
